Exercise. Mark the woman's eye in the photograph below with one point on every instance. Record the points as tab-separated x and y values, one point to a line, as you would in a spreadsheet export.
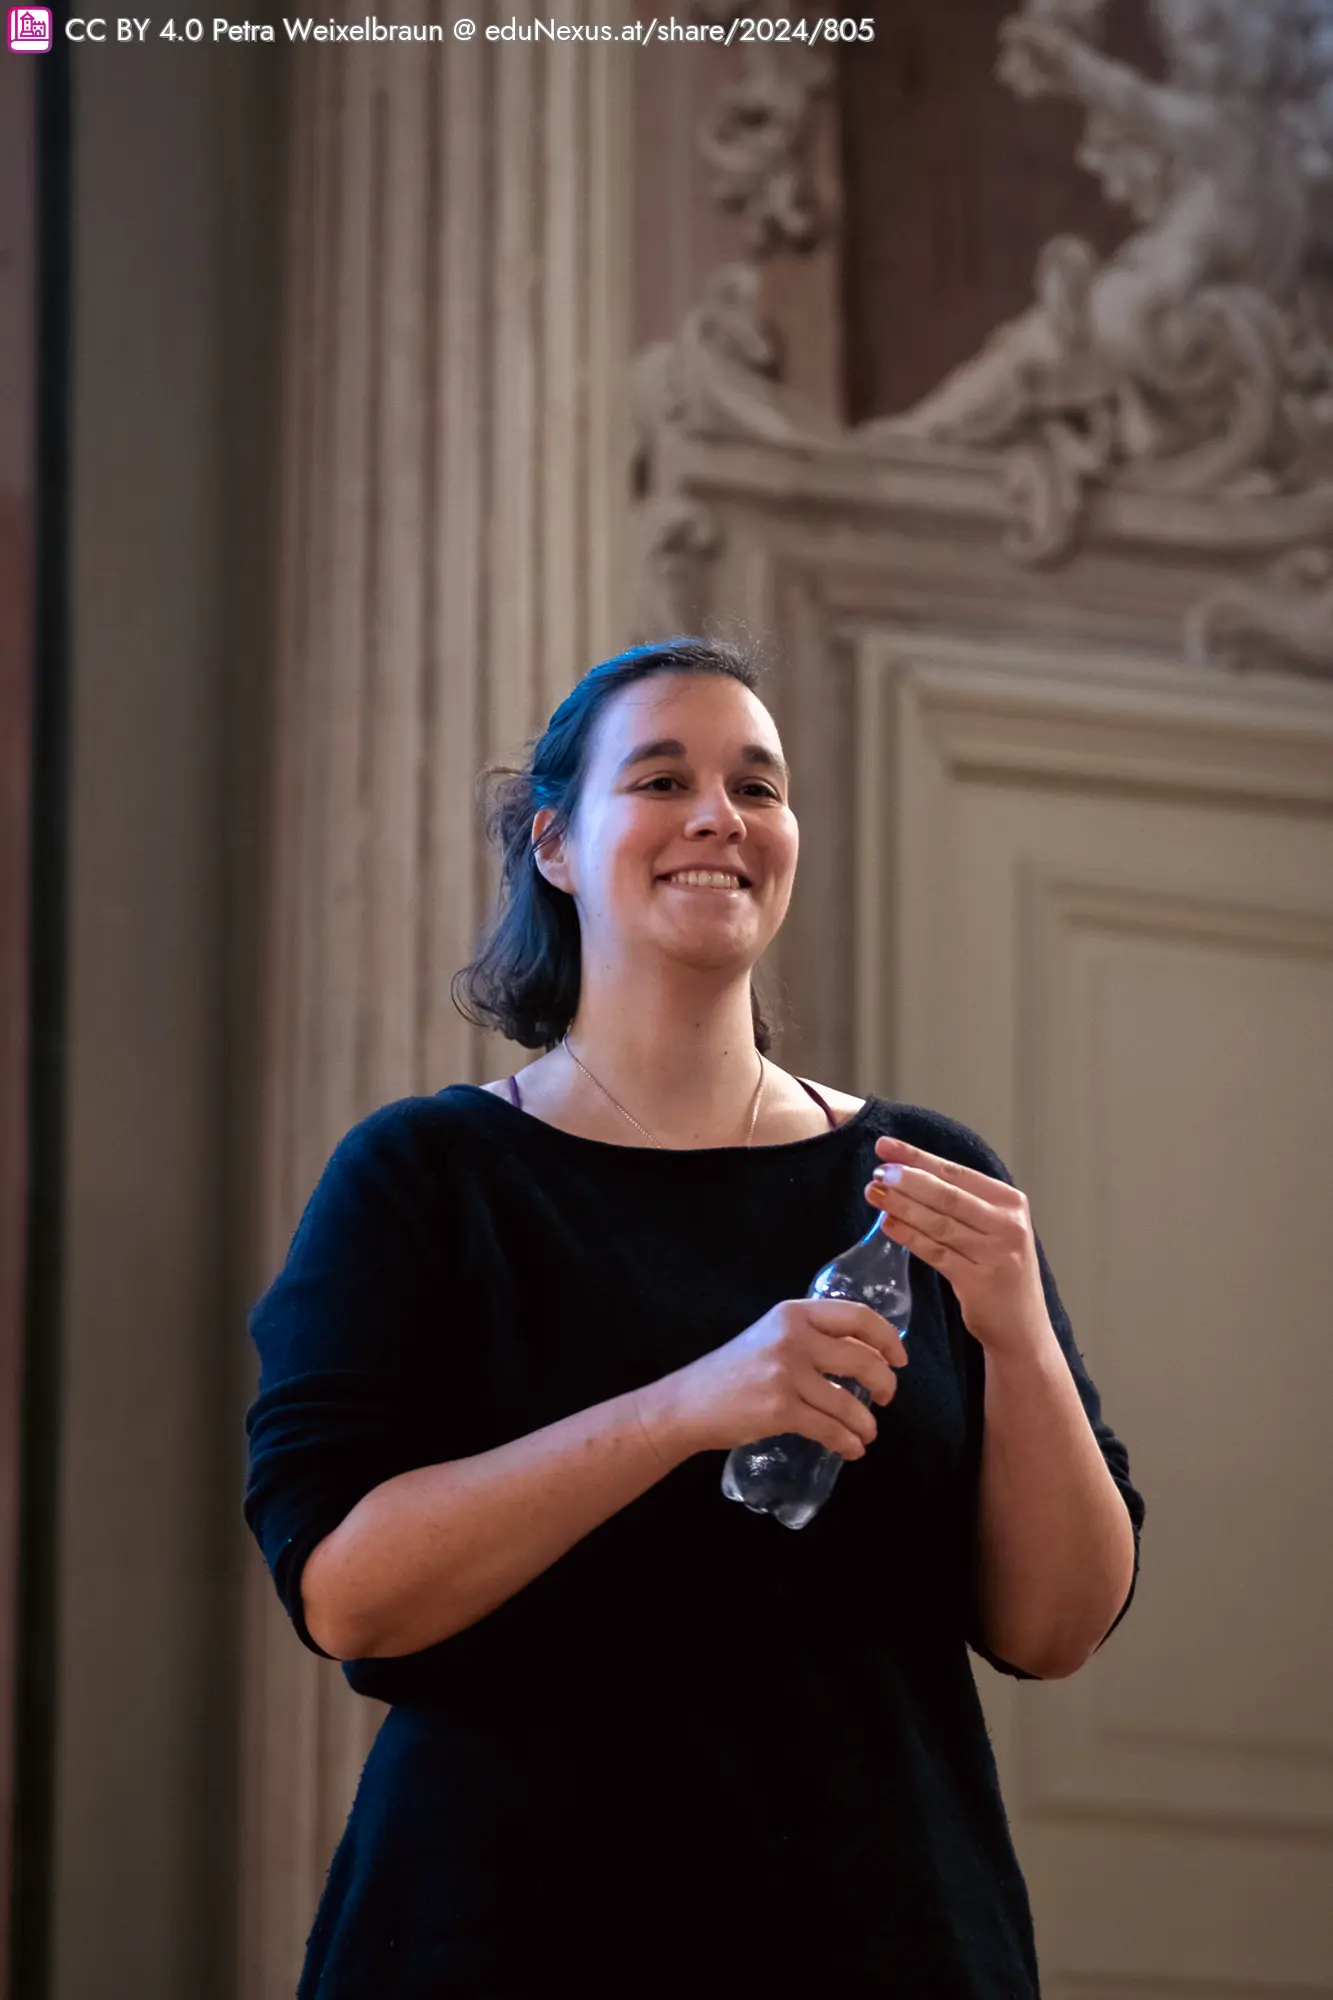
665	778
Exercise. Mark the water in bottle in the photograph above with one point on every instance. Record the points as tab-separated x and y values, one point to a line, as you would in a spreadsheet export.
791	1476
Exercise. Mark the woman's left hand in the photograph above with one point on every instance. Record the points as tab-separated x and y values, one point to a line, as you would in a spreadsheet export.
976	1232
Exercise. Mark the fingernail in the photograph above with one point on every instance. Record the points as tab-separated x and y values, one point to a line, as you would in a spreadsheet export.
889	1175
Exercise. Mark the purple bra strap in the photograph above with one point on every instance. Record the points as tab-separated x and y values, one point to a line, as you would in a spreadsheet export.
818	1099
513	1092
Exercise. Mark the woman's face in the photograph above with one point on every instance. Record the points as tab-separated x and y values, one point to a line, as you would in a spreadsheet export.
686	773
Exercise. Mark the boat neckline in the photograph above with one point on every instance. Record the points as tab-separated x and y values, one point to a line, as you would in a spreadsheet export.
785	1146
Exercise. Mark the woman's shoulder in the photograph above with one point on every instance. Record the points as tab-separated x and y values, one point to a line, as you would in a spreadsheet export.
410	1136
948	1137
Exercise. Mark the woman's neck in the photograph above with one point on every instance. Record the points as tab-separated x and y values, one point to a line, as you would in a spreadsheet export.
687	1081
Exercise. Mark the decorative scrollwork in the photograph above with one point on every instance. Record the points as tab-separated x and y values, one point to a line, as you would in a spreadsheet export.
757	146
721	377
1284	621
1185	379
1195	358
680	539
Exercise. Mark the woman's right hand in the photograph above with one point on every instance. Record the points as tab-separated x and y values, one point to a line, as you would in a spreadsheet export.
773	1378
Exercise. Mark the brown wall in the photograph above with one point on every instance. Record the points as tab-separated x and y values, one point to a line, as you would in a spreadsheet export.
173	362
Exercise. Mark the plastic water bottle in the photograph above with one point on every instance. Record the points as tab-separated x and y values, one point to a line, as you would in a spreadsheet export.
791	1476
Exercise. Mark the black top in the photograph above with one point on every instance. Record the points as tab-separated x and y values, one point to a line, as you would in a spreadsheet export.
700	1747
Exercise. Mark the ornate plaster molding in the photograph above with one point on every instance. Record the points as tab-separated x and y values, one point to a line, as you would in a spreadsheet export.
721	377
1285	620
679	538
757	145
1177	393
1195	358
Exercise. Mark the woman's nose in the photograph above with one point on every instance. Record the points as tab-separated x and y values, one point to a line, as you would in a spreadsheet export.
717	808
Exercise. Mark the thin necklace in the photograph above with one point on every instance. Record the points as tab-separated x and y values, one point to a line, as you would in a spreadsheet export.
754	1115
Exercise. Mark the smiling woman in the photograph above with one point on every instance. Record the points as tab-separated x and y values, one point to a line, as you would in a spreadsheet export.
635	1732
610	806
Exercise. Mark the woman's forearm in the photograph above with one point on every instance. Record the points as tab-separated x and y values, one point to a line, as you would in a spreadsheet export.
430	1552
1056	1543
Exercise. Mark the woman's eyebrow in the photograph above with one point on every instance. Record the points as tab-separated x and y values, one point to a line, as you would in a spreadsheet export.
671	746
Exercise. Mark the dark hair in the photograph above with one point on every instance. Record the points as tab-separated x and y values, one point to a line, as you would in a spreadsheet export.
526	976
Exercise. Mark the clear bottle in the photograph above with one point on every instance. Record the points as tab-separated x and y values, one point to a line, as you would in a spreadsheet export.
792	1476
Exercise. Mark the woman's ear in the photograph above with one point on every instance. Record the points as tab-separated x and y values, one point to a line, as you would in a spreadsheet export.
549	859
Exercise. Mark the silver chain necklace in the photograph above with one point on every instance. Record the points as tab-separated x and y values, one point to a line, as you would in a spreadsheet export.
754	1115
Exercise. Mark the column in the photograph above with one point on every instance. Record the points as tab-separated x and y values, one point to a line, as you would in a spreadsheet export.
455	464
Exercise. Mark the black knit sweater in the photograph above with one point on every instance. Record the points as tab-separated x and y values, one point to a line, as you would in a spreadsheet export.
700	1747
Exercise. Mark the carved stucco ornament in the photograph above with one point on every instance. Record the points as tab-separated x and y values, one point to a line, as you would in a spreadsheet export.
679	538
1188	374
721	377
1194	360
1284	621
757	146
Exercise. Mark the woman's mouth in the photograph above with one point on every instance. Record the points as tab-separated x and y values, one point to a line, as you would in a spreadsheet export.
722	882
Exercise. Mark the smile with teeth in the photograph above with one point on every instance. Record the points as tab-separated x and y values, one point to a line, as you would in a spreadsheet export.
705	878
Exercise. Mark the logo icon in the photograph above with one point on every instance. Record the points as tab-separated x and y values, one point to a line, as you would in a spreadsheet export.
30	30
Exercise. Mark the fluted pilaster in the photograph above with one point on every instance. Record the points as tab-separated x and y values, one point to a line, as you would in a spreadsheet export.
455	454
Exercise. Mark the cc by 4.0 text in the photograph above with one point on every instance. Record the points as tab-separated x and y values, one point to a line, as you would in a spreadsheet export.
132	28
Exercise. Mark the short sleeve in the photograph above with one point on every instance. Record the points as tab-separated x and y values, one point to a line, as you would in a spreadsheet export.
341	1334
970	1150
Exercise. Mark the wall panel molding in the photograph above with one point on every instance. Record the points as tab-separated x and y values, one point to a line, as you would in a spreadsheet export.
934	709
1099	1743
